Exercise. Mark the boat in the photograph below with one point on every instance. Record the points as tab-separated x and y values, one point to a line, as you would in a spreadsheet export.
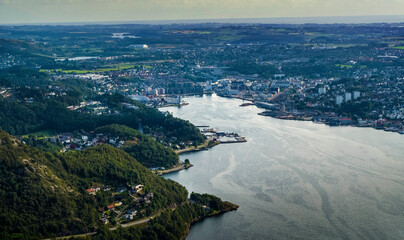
246	104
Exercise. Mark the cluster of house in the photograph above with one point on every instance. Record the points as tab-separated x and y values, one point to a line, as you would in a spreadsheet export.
136	192
5	92
221	136
93	107
93	190
85	140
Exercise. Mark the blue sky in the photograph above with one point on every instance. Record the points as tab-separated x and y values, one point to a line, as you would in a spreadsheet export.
41	11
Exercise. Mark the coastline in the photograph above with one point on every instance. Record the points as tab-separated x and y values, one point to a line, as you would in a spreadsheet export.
181	166
332	121
202	147
231	207
324	137
173	105
174	169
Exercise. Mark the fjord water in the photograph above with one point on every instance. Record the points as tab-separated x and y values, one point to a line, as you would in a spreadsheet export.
293	179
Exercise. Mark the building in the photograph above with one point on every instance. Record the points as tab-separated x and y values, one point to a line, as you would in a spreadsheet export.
348	96
321	90
232	92
208	86
140	98
171	100
139	46
161	91
280	84
339	99
356	94
137	187
151	92
279	75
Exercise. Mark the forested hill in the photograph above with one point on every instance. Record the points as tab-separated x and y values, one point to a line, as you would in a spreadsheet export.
44	195
145	149
18	116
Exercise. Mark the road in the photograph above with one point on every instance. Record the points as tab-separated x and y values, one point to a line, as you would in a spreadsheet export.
130	224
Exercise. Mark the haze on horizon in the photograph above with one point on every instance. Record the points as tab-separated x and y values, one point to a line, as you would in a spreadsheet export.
52	11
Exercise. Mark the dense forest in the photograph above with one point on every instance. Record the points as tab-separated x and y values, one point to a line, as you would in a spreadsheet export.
174	224
40	187
21	117
44	194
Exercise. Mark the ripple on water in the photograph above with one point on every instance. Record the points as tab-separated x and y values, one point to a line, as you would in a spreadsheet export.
296	180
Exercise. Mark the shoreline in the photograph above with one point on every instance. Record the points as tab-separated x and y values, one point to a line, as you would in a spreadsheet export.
311	119
173	105
231	207
290	116
202	147
174	169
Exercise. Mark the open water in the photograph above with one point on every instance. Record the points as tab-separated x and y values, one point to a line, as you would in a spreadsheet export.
294	179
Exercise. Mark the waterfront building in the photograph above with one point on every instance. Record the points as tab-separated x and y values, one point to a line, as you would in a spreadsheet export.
232	92
140	98
161	91
208	86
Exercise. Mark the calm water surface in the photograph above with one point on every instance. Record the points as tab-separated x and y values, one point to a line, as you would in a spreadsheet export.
295	180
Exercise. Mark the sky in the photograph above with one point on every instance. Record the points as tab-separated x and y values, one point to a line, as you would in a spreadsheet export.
52	11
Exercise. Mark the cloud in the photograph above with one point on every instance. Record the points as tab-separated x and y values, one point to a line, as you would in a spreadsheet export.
107	10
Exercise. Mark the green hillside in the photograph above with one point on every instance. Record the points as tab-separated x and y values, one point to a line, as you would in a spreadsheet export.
145	149
44	195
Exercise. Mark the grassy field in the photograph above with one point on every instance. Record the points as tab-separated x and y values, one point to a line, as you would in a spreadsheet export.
108	68
42	55
344	66
116	67
127	65
41	134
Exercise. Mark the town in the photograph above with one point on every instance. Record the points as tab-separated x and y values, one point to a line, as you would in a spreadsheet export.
329	74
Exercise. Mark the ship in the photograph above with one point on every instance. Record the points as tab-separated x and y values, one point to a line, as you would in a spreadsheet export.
246	104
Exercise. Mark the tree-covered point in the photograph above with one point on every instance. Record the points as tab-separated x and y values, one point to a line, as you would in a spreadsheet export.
172	224
212	202
145	149
169	225
43	194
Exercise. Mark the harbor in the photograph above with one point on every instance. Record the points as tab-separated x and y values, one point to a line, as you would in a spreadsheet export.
214	135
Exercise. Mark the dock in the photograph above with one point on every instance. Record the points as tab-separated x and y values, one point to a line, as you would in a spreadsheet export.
215	135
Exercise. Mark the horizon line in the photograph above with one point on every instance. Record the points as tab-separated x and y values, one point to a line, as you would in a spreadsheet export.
270	20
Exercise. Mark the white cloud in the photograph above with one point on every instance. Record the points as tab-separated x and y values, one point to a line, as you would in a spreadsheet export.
98	10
